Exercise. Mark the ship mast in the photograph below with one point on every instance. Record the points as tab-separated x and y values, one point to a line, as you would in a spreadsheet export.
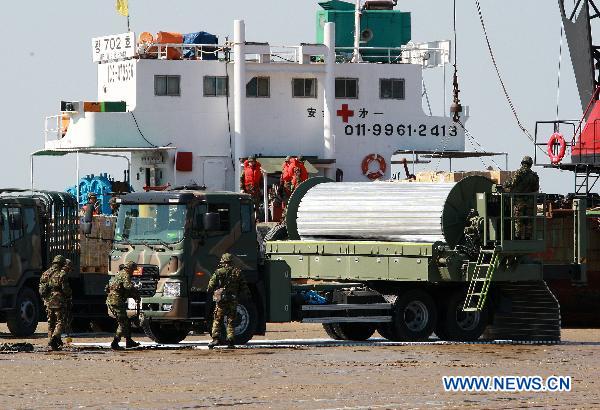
356	57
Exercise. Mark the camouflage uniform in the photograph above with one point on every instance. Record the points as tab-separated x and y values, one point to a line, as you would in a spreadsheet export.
55	291
524	181
474	233
119	289
227	284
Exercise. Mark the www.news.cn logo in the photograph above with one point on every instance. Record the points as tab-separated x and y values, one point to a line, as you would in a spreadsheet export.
507	383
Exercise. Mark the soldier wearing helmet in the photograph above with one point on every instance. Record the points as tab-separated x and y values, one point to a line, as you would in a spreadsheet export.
119	289
94	203
55	291
524	181
227	285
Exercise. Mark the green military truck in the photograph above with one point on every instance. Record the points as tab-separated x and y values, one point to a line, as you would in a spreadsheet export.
35	227
390	257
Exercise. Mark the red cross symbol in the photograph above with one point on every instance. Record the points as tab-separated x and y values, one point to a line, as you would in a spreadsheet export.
345	113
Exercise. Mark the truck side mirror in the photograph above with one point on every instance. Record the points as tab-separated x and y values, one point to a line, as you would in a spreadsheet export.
212	221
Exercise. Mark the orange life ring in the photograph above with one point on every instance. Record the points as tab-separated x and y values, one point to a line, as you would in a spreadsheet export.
555	138
372	175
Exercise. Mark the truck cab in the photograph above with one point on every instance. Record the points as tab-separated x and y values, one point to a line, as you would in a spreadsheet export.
177	239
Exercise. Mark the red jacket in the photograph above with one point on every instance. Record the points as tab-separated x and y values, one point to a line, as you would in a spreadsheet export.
287	171
296	164
251	177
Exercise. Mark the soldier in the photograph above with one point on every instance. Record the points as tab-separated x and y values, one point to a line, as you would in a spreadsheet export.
114	206
55	291
473	233
524	181
119	289
93	203
227	284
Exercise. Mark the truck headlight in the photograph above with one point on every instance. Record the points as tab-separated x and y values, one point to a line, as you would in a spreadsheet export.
172	289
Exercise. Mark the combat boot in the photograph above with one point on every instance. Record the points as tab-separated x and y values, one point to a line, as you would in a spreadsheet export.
213	343
230	344
130	343
115	343
55	343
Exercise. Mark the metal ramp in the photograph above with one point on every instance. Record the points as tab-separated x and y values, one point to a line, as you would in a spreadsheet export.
487	262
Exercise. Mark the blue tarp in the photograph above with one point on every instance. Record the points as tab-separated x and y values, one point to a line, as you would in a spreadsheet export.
201	37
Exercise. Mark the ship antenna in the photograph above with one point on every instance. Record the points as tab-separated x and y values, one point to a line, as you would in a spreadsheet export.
455	108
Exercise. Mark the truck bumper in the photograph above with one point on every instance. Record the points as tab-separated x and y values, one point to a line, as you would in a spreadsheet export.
163	308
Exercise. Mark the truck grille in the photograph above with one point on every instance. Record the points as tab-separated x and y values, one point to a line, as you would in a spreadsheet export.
146	283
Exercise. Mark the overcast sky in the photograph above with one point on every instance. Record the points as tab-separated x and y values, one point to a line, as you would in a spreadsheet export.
45	56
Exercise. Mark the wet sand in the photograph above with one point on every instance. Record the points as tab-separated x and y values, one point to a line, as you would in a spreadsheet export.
300	377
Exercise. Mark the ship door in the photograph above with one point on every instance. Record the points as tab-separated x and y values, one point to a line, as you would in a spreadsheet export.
213	172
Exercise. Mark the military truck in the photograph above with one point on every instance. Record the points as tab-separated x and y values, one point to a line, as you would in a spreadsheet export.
406	275
35	227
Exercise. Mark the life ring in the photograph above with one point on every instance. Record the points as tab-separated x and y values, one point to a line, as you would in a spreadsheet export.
555	138
372	175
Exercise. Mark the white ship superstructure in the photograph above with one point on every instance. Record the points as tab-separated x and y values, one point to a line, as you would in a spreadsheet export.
192	119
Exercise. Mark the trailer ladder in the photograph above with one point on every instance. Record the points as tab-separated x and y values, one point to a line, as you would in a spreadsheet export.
487	263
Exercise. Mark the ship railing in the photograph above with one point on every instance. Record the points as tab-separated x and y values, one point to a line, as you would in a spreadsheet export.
179	51
424	54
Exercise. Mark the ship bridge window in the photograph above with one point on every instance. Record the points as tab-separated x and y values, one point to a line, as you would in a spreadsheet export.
258	87
346	88
167	85
215	86
391	88
304	88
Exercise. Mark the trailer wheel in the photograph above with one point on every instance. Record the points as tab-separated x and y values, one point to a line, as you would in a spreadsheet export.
354	331
456	325
414	317
23	321
165	332
331	332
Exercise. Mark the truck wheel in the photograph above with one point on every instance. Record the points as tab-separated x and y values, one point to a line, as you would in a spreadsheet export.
414	317
331	331
246	321
23	321
165	332
354	331
456	325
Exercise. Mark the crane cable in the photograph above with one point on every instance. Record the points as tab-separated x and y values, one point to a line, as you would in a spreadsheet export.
504	89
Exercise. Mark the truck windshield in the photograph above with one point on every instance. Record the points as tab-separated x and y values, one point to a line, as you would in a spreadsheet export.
151	222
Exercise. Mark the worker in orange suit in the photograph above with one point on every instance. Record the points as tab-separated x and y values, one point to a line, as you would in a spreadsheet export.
251	181
300	174
287	174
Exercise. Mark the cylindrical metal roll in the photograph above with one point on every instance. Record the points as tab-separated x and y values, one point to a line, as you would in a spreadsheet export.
383	210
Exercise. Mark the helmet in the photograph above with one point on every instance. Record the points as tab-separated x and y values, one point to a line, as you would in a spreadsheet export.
527	160
131	265
226	258
91	195
59	259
